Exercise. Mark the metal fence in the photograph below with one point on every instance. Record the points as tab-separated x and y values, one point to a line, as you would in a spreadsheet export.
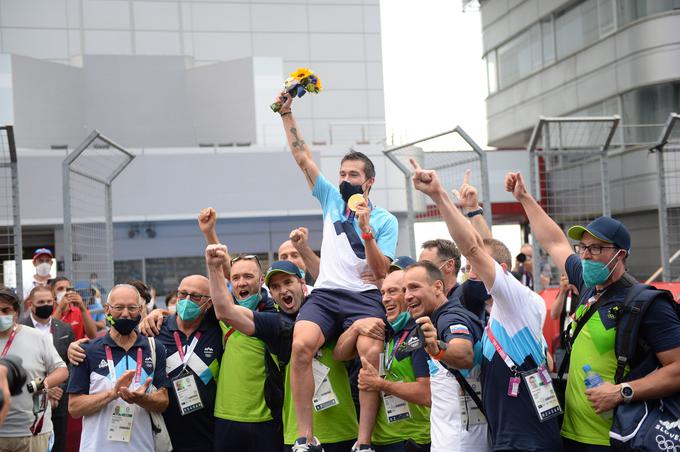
10	220
568	173
88	226
435	153
667	151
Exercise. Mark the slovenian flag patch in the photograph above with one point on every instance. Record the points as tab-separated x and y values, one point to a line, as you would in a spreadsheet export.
459	329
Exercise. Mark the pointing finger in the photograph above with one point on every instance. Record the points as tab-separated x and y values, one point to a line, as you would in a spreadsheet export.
466	176
414	164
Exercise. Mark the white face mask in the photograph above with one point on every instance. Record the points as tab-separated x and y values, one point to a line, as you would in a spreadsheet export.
60	296
6	322
43	269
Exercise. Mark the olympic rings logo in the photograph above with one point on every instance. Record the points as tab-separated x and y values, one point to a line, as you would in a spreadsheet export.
666	444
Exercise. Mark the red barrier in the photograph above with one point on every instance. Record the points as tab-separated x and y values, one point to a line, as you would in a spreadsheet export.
551	328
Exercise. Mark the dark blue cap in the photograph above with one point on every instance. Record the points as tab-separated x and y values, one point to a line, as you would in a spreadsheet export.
282	267
606	229
401	263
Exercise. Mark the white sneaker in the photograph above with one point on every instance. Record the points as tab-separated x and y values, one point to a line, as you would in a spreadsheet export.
301	445
362	448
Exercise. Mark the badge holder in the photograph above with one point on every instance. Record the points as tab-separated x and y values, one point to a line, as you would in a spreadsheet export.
542	393
396	409
120	424
186	391
324	396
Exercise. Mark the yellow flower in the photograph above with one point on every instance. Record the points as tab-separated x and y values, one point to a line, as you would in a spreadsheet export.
301	73
318	84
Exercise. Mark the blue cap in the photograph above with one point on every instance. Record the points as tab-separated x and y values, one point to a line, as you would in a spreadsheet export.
286	267
606	229
401	263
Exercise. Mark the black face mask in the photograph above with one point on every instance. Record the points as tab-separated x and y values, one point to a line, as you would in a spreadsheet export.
475	296
125	326
44	311
347	190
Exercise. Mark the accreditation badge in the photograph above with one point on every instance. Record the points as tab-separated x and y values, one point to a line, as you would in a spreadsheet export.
186	391
396	409
470	413
542	394
324	396
120	423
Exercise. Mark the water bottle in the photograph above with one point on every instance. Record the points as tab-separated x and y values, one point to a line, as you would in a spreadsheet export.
593	380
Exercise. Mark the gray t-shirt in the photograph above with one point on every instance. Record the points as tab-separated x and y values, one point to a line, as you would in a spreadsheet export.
39	358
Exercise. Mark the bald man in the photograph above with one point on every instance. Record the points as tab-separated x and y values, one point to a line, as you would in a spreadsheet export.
193	342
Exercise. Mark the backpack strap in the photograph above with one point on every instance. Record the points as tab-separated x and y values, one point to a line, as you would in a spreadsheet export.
629	319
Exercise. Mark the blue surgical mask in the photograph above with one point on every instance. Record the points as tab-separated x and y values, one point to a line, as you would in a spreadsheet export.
6	322
187	309
302	274
596	273
250	302
400	322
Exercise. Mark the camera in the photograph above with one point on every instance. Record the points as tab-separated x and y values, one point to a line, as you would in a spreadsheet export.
521	258
16	375
37	385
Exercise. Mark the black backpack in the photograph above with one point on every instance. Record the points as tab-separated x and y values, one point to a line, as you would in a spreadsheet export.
648	425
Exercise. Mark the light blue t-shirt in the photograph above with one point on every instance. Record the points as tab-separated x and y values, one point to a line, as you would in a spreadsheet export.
343	257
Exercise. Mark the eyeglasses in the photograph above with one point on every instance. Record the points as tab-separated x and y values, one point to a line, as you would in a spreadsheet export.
120	308
195	297
246	257
594	250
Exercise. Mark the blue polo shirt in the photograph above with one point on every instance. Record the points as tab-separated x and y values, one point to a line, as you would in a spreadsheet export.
204	364
342	248
92	376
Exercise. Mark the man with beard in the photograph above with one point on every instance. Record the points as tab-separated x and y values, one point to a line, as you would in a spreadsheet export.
334	417
110	389
357	236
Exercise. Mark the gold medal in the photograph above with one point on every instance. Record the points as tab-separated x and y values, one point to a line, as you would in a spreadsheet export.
355	200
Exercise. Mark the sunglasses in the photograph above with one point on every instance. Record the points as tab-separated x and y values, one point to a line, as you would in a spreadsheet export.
246	257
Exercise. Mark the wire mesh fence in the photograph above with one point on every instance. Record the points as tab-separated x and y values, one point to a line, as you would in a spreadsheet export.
569	174
450	153
10	223
668	163
88	226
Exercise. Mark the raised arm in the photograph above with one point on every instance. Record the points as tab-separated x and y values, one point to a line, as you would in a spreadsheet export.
546	231
225	309
300	150
378	263
299	237
469	202
468	240
207	218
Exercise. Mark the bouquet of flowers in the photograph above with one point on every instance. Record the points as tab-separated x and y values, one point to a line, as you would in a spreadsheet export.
300	82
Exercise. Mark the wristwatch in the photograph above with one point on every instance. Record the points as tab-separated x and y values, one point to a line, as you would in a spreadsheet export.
475	212
367	235
627	392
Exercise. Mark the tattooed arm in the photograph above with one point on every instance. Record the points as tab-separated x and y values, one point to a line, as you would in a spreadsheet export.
300	150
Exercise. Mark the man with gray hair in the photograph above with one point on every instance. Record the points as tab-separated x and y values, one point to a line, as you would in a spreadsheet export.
111	388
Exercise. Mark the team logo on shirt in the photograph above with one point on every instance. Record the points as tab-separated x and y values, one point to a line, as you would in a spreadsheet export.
459	329
148	362
103	363
208	352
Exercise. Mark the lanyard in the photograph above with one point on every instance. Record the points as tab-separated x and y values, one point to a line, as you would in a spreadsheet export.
190	349
395	347
504	356
9	342
112	368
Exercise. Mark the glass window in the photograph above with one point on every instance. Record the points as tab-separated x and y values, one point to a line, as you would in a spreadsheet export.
576	28
491	76
548	40
605	14
630	10
520	57
648	105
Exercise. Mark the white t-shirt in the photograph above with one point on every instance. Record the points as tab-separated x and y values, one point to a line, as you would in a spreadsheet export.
39	358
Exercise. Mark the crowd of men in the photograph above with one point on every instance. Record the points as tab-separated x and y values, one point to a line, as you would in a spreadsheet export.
355	350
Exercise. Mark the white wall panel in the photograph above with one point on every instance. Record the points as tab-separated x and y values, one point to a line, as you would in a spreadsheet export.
107	14
156	16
